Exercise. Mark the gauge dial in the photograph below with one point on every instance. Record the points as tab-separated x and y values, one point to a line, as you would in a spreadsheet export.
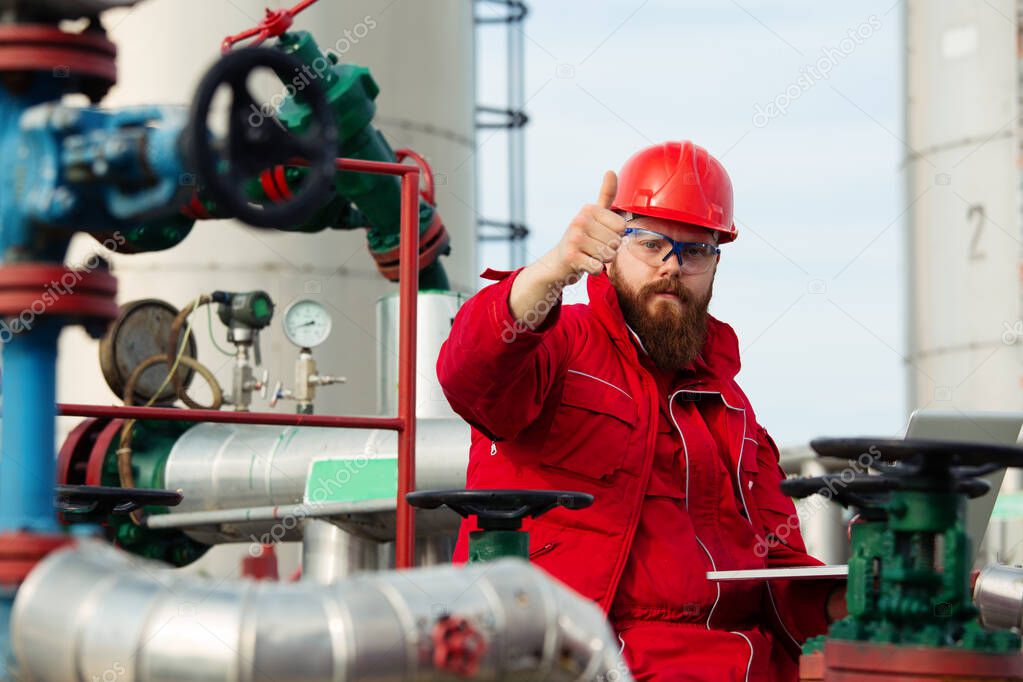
306	323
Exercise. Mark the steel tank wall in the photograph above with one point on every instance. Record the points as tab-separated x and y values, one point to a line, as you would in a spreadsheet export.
963	227
962	192
436	314
421	54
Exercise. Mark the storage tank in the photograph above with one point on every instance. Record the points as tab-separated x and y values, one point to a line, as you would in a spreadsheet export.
962	153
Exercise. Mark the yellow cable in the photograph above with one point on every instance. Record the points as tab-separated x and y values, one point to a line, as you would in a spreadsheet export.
183	343
125	474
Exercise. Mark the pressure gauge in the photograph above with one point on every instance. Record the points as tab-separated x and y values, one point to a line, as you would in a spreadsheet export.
306	323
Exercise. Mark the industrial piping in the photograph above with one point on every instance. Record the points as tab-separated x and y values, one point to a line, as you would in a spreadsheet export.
93	612
241	480
404	424
998	595
226	466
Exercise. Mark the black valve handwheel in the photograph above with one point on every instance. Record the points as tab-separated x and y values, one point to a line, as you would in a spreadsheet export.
499	509
257	140
92	503
927	455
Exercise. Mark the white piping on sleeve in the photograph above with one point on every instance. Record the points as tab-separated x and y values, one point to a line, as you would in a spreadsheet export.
606	383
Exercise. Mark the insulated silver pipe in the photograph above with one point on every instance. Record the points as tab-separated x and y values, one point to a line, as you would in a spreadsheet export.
435	312
94	612
998	595
330	554
230	466
243	482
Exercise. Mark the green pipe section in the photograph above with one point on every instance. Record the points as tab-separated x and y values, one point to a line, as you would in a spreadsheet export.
351	92
152	442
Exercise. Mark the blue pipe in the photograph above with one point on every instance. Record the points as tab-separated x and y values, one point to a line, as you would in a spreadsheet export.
27	447
7	662
28	439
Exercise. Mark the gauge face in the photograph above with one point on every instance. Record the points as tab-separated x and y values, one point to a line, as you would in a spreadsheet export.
139	332
306	323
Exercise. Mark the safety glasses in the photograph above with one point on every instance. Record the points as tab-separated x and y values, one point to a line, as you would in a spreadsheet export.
654	248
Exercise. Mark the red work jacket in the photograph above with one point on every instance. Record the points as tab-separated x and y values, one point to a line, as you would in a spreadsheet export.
570	406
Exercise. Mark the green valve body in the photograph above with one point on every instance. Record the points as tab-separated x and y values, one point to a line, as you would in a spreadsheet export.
909	578
488	545
499	515
157	234
351	92
152	442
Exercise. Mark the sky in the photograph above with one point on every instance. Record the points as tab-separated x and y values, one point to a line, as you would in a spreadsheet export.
808	122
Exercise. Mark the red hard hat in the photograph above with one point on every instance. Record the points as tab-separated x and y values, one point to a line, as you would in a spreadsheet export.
678	181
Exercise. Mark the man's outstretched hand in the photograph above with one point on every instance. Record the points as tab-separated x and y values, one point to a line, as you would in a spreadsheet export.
592	239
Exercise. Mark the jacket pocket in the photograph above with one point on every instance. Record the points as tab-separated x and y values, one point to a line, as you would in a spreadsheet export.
592	428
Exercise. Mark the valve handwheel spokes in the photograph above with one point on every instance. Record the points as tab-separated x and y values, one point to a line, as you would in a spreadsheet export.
256	141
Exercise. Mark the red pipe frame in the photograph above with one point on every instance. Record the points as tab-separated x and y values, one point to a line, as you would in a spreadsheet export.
404	424
227	417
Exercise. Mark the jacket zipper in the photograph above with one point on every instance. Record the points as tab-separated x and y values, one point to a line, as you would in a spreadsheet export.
542	550
713	564
634	519
493	448
685	451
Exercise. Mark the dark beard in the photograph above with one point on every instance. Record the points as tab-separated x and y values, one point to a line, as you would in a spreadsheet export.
672	336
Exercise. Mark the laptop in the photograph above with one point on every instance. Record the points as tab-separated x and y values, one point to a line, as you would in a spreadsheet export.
993	428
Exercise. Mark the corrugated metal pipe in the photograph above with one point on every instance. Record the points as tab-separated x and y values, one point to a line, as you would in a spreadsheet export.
95	613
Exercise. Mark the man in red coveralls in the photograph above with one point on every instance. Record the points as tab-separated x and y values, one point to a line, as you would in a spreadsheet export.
632	398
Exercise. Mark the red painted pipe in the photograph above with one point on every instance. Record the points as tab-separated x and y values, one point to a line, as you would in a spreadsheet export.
226	416
384	168
408	290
